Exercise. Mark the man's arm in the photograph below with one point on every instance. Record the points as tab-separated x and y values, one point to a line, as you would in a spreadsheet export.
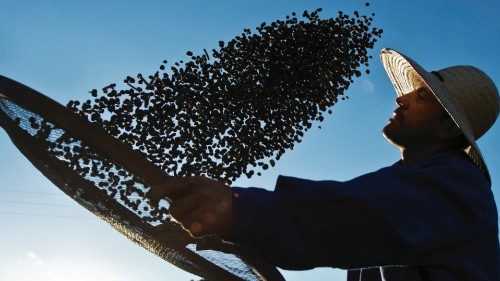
397	215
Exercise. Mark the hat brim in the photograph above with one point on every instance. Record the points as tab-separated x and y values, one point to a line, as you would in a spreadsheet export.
402	70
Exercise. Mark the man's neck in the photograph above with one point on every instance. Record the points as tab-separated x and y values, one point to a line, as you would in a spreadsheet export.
411	155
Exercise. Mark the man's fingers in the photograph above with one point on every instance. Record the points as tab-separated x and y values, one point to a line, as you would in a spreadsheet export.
200	205
184	206
171	188
199	222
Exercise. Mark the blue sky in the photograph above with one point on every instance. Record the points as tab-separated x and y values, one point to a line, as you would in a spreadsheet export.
66	48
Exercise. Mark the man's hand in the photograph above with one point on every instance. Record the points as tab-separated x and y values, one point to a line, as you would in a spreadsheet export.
203	206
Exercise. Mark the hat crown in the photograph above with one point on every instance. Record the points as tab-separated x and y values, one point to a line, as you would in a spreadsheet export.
475	95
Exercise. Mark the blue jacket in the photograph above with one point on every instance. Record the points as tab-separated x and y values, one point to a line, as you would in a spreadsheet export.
433	220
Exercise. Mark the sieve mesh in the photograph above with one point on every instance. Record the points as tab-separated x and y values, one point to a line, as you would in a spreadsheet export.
109	190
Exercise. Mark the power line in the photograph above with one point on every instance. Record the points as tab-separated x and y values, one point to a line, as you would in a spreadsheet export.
52	193
34	203
45	215
34	192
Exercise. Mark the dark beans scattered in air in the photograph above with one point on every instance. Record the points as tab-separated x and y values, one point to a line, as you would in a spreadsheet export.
230	111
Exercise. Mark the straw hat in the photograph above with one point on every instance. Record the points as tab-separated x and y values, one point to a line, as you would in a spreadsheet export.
466	93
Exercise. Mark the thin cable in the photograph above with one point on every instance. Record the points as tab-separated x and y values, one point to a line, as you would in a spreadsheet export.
34	192
52	193
44	215
34	203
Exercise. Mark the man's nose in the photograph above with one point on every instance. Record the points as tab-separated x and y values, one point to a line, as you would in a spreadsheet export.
401	102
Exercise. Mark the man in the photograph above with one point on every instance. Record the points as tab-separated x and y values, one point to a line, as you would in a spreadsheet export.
430	216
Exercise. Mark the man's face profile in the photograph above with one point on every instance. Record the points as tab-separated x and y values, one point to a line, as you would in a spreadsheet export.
415	121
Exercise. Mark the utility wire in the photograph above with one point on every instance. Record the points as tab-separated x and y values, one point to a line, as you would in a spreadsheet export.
51	193
45	215
34	203
34	192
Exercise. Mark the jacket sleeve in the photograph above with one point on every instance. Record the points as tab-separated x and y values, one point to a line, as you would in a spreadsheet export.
396	215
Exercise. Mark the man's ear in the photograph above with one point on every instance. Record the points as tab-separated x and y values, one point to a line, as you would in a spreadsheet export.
448	130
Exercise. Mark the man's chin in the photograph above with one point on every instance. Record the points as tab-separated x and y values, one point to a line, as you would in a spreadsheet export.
386	131
389	134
